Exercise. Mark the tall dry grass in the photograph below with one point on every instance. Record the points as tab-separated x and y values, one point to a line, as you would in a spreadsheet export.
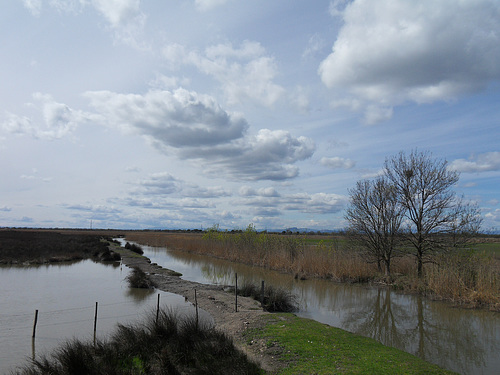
465	278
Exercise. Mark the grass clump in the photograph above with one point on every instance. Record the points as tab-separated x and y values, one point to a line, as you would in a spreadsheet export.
139	279
308	347
274	299
167	345
135	248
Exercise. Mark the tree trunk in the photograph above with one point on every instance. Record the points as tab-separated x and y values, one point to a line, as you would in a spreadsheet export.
420	264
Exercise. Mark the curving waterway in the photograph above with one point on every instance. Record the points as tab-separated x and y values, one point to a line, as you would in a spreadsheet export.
65	296
465	341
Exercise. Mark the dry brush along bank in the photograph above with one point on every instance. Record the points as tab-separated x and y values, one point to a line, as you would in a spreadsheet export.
469	279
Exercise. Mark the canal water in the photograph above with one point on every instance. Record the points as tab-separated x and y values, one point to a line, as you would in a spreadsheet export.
465	341
65	296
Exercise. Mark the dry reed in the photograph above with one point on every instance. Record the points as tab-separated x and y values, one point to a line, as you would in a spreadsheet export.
471	280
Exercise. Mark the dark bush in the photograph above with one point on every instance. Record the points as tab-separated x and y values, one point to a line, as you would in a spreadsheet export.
135	248
139	279
167	345
275	299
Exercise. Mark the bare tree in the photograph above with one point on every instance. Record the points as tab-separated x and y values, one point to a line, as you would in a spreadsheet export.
432	211
374	217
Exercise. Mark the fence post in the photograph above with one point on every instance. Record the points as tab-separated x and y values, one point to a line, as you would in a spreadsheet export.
262	295
196	306
34	323
95	322
158	308
236	292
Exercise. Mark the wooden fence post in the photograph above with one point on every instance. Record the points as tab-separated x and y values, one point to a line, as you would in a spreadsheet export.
236	292
196	307
95	322
34	323
262	294
158	308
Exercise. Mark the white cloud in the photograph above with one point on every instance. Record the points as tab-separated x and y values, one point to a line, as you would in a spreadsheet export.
170	119
489	161
194	126
337	163
245	73
119	12
34	6
247	191
389	52
52	120
269	155
319	203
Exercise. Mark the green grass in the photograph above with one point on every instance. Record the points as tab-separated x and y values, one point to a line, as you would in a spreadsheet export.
489	248
309	347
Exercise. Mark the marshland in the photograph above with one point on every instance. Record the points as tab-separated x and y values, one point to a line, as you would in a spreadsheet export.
297	272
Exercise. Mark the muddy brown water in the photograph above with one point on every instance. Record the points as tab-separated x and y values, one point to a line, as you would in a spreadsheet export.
65	296
465	341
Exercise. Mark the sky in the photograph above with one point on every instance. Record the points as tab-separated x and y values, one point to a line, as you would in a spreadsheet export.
184	114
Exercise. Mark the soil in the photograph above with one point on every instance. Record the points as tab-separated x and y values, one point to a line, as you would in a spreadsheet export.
217	301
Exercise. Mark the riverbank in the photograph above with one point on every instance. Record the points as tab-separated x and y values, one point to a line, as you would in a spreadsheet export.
467	278
284	343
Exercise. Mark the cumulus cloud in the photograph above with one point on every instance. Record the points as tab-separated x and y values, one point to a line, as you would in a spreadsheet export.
245	73
52	120
247	191
175	119
489	161
319	203
194	126
337	163
269	155
389	52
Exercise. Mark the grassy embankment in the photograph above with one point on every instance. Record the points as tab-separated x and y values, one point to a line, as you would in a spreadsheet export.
309	347
468	277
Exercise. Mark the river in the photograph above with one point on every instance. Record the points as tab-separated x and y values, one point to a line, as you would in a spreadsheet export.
465	341
65	296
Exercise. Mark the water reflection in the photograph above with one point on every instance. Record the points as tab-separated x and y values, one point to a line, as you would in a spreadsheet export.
65	295
465	341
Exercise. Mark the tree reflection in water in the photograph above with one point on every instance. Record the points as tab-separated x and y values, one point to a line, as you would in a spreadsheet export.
432	331
465	341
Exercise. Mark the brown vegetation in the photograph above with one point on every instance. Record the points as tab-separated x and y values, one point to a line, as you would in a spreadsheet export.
41	246
465	277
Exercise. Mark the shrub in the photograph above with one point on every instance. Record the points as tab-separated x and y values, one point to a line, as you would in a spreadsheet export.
167	345
275	299
139	279
135	248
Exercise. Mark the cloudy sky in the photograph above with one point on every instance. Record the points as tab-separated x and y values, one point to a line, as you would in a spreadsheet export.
190	113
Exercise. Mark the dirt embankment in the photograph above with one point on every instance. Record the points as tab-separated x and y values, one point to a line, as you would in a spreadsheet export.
219	303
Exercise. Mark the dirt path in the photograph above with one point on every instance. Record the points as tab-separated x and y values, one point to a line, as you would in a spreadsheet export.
219	303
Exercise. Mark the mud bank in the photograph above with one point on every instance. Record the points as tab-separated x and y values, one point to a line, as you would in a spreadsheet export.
216	301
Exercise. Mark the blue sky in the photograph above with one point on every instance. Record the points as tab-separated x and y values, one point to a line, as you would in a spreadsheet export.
186	114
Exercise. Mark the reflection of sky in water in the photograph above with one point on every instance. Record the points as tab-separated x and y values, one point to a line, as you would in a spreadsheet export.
65	296
465	341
